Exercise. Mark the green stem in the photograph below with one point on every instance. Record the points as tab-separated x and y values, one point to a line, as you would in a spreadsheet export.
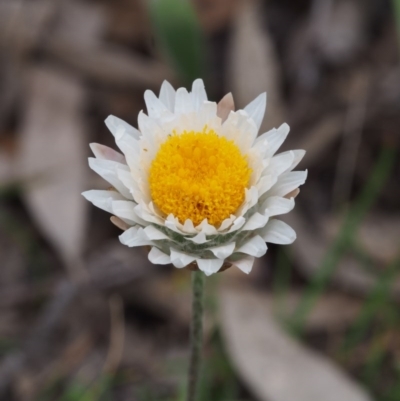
196	334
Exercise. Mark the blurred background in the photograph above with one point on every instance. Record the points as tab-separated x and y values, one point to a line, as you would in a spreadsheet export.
85	318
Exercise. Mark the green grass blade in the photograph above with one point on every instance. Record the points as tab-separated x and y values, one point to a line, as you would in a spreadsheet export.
396	6
377	357
178	34
393	393
344	239
379	297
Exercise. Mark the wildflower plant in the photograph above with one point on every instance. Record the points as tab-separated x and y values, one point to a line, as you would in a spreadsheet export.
198	185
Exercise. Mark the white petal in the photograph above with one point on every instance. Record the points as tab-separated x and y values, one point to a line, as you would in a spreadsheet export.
256	221
200	238
180	259
298	156
278	232
138	182
256	162
158	258
115	124
274	138
223	251
256	109
155	107
281	163
154	209
153	134
227	223
167	95
126	178
239	128
248	130
173	224
135	236
208	114
206	228
199	95
237	224
251	198
287	182
209	266
245	264
143	212
106	153
126	210
102	199
265	183
154	234
276	205
188	227
183	102
255	246
130	148
109	171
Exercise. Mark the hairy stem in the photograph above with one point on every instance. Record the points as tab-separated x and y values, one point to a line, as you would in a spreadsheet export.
196	334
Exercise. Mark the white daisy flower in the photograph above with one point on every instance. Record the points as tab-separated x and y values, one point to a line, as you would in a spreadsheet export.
195	183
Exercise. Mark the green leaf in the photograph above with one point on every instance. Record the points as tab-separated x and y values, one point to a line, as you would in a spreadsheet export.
178	34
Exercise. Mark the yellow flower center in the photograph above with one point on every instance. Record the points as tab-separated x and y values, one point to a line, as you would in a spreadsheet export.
199	175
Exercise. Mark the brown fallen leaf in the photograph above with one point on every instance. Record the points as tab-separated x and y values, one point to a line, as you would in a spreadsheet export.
273	365
253	67
52	159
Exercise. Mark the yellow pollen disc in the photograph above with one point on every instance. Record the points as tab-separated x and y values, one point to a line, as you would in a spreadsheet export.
199	175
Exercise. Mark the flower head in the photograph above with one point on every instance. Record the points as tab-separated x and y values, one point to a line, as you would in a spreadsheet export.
195	183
